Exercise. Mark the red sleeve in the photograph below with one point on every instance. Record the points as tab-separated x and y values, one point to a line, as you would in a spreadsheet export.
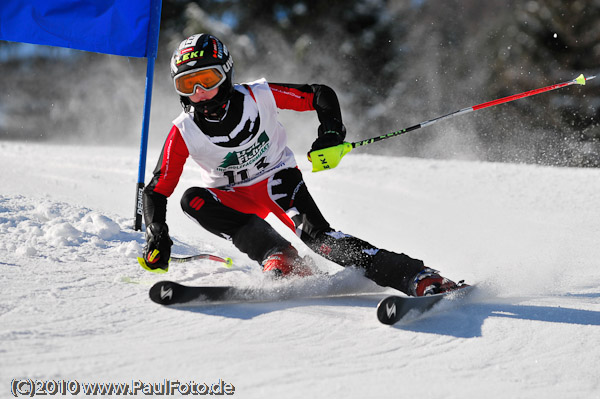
292	98
170	164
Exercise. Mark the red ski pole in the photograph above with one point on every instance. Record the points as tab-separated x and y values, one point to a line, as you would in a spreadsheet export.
329	158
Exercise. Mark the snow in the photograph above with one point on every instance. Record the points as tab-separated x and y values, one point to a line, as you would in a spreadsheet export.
75	303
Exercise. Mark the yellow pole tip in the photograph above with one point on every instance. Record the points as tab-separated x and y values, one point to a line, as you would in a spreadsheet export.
580	80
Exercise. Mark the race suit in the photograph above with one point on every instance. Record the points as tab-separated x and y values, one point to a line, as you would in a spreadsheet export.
247	171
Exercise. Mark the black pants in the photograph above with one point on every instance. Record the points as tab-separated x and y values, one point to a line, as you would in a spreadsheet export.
238	215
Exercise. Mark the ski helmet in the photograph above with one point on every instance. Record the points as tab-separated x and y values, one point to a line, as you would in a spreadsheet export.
202	60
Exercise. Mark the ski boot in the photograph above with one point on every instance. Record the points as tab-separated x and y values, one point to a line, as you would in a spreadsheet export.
429	282
287	262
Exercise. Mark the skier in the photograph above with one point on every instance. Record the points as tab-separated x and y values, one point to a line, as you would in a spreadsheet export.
231	131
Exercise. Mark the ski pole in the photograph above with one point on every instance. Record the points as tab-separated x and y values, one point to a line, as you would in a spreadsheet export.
329	158
227	262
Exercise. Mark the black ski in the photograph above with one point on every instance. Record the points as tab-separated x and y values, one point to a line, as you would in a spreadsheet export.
170	293
393	308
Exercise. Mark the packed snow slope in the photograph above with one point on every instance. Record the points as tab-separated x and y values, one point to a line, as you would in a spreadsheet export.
75	303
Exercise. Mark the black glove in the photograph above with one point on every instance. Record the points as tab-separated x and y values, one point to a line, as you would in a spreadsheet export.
331	133
157	250
329	139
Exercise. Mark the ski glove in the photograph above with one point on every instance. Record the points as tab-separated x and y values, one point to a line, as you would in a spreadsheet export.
328	139
331	134
157	250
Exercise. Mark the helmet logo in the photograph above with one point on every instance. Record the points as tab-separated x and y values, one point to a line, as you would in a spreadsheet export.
189	56
190	41
228	64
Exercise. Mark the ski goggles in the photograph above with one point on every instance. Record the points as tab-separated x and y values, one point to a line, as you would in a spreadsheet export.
206	78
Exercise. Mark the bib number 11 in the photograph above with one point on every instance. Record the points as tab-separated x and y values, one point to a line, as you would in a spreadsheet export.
242	175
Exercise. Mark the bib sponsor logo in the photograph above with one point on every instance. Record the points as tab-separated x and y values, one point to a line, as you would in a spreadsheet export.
241	159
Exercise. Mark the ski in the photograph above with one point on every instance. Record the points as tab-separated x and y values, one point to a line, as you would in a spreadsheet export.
393	308
170	293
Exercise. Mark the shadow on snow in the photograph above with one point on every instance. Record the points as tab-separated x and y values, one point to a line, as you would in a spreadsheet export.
461	320
467	320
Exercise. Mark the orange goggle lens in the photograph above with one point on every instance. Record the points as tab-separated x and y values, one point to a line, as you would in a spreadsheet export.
208	79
